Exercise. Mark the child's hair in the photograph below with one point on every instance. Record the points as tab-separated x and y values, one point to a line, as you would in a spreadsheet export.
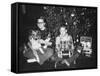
64	26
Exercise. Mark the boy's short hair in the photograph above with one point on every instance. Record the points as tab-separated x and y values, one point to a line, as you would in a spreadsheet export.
41	20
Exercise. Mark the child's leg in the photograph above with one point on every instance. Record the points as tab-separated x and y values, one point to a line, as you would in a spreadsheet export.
35	59
41	50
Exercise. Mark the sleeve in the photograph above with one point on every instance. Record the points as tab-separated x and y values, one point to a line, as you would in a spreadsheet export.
71	42
57	40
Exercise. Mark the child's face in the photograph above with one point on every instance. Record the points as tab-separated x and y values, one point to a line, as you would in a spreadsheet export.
41	25
63	31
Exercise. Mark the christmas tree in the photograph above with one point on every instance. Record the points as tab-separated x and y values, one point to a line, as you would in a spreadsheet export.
77	20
